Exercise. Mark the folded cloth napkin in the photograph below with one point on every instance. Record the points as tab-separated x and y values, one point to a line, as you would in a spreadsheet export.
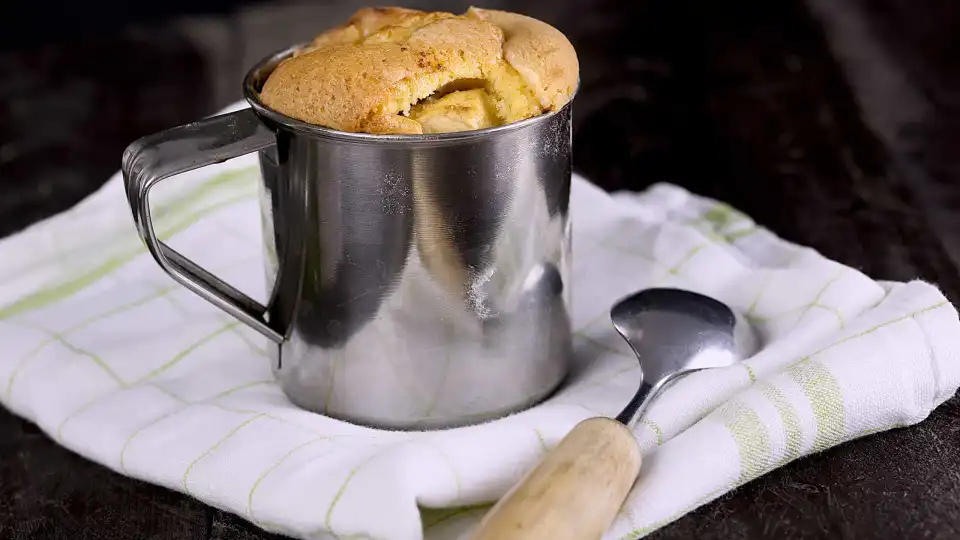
115	361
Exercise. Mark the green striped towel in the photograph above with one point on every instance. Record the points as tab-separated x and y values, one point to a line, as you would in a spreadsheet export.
116	362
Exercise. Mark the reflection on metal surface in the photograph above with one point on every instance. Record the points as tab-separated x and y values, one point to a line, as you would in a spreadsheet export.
430	286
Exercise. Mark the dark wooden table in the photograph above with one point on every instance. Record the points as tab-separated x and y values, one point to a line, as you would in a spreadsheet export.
835	124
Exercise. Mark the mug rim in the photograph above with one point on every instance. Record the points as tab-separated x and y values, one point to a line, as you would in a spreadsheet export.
257	74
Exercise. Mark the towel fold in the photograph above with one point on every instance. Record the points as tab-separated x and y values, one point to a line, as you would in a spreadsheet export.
115	361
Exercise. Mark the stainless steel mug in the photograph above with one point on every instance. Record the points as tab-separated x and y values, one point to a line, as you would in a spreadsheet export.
418	281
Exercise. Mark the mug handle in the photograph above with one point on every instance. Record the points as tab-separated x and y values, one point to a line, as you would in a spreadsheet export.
156	157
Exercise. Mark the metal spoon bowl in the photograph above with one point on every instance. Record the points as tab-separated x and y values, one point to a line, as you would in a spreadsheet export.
675	332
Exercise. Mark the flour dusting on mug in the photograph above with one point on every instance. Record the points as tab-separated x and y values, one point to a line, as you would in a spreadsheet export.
394	194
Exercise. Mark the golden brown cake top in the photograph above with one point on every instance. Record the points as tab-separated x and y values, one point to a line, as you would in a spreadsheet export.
402	71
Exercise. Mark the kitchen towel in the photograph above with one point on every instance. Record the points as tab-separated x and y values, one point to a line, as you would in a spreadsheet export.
115	361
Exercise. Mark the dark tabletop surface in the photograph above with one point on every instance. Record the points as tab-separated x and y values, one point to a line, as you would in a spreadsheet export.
835	124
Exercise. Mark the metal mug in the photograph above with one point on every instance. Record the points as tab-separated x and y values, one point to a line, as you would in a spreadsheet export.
418	281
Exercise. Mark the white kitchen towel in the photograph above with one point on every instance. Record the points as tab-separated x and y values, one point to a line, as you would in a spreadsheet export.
115	361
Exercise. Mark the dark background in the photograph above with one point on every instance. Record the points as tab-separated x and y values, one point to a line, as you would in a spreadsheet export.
835	123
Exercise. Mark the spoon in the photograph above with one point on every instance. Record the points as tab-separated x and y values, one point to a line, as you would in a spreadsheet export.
576	490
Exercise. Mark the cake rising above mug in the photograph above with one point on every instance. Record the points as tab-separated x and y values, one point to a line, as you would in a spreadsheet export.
396	70
415	182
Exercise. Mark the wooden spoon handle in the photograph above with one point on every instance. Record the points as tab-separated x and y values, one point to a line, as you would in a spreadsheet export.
574	493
